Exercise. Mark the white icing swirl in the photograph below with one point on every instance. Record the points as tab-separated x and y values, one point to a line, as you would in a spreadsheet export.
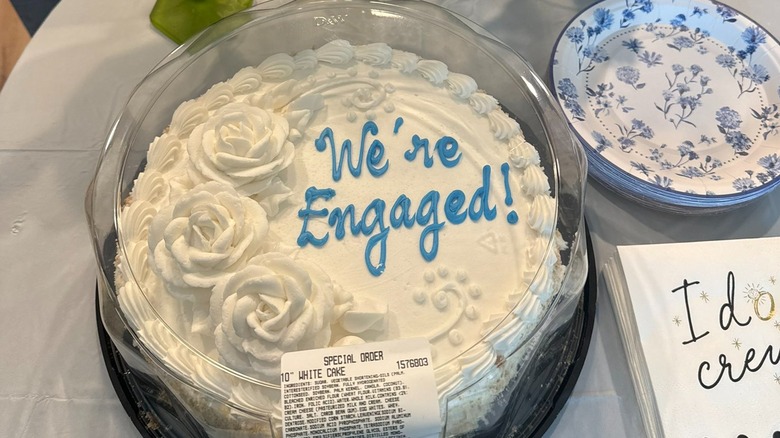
374	54
207	234
164	153
477	360
211	377
365	98
432	70
136	266
258	399
528	310
277	67
405	62
305	60
135	220
186	117
483	103
534	181
250	396
336	52
491	323
134	305
152	187
246	81
522	154
535	254
507	334
461	86
271	306
448	378
244	147
541	284
218	96
200	371
541	217
440	300
502	125
181	183
157	338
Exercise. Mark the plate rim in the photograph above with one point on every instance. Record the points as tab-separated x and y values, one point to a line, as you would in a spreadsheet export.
634	185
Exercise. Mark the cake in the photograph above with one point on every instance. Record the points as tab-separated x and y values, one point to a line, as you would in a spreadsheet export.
338	195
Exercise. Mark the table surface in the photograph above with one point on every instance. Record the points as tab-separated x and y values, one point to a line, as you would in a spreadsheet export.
55	112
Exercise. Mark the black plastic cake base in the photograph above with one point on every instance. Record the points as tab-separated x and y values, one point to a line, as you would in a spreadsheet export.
152	408
157	414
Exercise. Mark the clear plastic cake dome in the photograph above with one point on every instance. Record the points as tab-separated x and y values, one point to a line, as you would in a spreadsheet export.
221	400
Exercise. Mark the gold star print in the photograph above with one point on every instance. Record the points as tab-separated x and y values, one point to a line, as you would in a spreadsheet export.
704	296
772	279
777	324
736	343
676	320
777	378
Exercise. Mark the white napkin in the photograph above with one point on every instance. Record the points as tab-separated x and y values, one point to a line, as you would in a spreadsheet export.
701	326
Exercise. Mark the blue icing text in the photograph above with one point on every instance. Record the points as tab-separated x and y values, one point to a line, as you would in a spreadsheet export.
374	156
398	122
447	148
431	212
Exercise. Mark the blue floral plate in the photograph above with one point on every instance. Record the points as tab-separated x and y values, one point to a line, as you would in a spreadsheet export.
676	102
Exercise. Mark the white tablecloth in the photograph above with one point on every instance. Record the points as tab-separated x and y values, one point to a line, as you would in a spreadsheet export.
55	111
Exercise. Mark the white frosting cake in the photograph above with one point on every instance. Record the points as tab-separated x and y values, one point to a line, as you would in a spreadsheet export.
342	195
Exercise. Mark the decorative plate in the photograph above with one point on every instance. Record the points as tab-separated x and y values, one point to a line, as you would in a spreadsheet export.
679	100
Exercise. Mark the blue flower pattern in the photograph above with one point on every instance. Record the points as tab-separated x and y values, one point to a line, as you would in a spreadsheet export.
769	116
771	166
729	122
688	163
686	94
584	35
603	97
567	91
630	76
629	13
628	134
651	59
602	142
686	89
739	63
727	14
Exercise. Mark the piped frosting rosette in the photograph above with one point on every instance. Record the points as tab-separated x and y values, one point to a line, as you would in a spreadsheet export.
209	232
273	305
245	147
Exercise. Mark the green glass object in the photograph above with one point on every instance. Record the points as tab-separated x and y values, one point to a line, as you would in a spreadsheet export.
181	19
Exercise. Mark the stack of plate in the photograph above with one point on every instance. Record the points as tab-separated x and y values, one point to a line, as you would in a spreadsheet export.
676	103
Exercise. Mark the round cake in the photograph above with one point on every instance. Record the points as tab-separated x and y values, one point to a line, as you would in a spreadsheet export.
328	192
340	195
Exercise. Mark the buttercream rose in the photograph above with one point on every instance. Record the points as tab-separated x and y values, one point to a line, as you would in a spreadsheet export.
208	233
271	306
247	148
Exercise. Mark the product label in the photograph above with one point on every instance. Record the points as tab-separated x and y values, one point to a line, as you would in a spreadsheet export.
381	389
